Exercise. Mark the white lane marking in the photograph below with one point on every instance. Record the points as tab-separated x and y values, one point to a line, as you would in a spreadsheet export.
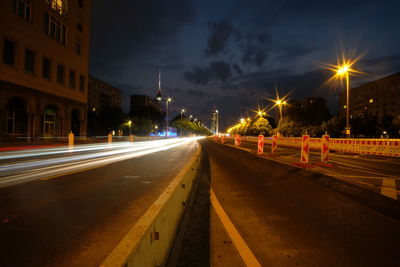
241	246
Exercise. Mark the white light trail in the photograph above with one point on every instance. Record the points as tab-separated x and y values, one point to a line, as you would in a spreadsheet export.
59	166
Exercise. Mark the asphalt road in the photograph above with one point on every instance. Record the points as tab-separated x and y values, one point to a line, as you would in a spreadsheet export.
366	171
76	219
288	217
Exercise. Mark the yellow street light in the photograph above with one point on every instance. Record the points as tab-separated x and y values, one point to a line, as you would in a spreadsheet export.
343	70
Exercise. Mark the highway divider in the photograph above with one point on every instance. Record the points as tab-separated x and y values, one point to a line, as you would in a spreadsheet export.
149	242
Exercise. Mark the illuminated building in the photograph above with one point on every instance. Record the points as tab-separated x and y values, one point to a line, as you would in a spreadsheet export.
214	120
44	56
377	98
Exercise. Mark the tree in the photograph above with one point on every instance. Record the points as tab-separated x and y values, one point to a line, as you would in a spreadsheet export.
260	126
142	126
110	119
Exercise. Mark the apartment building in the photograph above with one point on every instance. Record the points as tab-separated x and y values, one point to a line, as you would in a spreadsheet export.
378	98
44	53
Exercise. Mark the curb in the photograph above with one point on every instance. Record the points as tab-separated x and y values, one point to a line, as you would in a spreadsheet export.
149	241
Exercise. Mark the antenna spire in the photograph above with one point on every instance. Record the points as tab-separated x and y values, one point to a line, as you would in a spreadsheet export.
159	97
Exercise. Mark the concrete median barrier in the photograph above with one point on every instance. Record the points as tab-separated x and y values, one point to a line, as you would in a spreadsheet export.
148	243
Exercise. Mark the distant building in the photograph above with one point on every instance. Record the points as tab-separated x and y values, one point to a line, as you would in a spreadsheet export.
143	105
309	111
214	120
43	68
103	95
378	98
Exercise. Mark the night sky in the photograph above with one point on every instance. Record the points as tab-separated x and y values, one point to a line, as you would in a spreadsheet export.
233	53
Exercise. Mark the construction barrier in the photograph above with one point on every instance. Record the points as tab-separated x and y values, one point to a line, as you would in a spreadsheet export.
325	148
274	145
131	138
237	140
260	149
70	140
222	139
379	147
109	138
305	149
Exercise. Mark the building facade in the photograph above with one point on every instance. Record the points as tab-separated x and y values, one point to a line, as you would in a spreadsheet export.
377	98
44	57
102	95
143	105
308	111
214	120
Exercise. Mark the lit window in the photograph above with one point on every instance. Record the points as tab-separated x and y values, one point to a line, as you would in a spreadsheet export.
55	29
23	9
60	6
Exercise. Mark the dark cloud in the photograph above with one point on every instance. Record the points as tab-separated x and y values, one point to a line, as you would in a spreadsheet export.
294	50
374	68
196	93
221	32
220	70
237	69
255	48
217	71
125	31
199	76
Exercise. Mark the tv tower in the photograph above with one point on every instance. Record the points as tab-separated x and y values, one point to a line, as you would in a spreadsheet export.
158	96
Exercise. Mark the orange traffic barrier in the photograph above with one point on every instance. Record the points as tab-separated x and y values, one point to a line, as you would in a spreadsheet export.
305	149
274	145
222	139
325	148
260	149
70	141
237	140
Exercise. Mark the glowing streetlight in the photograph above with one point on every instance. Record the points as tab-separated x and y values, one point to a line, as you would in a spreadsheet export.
261	113
217	126
167	102
343	70
182	110
279	102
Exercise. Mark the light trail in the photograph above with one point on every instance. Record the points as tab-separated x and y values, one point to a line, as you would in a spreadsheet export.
59	166
77	148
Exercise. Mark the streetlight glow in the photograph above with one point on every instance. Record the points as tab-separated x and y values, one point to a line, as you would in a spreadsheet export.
342	71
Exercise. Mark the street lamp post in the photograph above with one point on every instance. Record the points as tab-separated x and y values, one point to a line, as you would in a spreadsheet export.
344	71
182	110
280	104
167	102
217	126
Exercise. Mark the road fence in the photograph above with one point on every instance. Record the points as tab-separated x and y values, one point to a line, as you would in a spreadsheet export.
370	146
